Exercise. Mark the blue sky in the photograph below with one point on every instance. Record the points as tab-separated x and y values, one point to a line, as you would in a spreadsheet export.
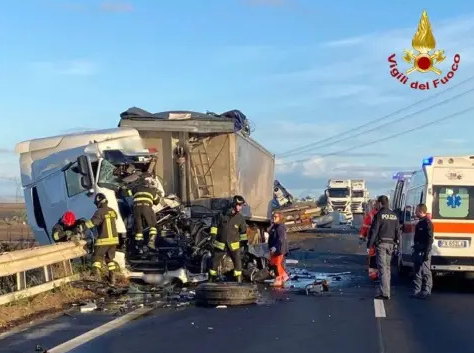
300	70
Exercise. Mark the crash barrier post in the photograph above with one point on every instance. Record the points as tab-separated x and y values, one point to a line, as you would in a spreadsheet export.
50	263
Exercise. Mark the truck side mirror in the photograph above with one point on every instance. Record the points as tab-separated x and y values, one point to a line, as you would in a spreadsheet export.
84	168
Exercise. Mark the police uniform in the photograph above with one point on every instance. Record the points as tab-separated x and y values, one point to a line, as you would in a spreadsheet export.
384	233
62	232
423	241
104	219
229	229
144	197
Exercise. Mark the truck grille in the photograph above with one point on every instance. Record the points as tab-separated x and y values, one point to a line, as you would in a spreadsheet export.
339	205
356	206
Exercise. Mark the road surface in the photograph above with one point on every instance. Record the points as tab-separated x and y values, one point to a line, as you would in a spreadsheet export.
343	320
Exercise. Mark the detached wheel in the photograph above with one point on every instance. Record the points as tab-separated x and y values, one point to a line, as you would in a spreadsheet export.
213	294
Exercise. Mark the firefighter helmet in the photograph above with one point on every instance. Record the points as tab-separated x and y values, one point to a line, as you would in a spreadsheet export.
99	199
68	218
238	200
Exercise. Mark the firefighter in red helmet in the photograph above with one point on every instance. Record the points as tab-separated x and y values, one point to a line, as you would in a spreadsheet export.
68	228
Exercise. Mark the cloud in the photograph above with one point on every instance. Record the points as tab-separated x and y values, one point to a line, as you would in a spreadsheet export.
5	150
116	6
346	42
76	67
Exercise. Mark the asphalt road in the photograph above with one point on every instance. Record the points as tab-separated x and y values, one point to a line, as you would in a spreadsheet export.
342	320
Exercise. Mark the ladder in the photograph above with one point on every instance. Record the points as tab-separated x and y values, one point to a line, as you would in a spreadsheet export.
201	169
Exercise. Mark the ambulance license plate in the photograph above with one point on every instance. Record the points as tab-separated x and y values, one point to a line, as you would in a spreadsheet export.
452	243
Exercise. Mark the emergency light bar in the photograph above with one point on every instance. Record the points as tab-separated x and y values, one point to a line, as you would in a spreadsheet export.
428	161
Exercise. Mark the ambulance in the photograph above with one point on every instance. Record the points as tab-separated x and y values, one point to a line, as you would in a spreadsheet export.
446	186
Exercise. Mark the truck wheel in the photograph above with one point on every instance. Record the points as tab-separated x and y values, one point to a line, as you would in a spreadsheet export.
213	294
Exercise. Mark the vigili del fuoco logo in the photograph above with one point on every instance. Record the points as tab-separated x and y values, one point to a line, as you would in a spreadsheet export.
423	59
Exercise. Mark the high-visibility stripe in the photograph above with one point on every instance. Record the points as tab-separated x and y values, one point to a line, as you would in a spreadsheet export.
56	235
366	226
213	272
153	231
89	224
219	245
111	266
142	199
235	246
97	264
237	273
243	237
446	227
213	230
129	193
139	236
107	241
143	194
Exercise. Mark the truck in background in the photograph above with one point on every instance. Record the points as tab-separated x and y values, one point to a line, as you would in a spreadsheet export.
359	196
339	195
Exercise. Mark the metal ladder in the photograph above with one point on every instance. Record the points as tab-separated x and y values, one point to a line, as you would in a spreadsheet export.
201	169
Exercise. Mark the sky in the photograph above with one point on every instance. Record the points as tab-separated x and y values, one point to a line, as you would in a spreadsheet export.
301	71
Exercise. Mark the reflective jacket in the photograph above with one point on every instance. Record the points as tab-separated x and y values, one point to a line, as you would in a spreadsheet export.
364	230
61	232
384	228
145	196
105	220
229	229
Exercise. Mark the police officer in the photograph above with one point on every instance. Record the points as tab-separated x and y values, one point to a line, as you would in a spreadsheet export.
384	233
104	219
144	197
67	228
423	241
229	229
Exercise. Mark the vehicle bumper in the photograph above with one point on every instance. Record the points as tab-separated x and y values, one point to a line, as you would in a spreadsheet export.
452	263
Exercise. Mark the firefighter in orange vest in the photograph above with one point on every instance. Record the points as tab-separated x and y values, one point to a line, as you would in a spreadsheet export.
364	232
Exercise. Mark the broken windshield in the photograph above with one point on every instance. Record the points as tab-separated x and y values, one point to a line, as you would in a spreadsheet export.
106	175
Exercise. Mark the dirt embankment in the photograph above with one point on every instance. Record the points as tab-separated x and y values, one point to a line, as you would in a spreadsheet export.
13	226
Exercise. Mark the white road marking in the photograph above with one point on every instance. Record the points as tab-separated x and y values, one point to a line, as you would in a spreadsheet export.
379	308
88	336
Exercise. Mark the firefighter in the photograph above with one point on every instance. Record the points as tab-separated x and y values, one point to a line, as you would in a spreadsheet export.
68	228
104	219
364	231
144	197
229	230
384	234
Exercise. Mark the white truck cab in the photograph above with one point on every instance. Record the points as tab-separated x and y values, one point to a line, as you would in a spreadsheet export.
359	196
338	194
63	173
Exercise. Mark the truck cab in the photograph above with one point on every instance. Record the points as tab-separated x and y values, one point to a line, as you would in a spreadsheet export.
359	196
338	195
62	173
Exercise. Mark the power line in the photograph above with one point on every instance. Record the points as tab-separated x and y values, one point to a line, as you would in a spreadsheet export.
423	110
385	117
419	127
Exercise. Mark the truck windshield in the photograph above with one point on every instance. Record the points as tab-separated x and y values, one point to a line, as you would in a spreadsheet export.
339	193
453	202
106	175
357	194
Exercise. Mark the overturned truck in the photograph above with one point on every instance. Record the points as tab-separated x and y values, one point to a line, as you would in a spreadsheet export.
203	158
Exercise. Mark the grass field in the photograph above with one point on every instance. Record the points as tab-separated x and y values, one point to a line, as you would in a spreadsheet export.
13	231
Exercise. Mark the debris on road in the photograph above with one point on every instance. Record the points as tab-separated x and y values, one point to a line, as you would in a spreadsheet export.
291	262
88	307
221	307
318	287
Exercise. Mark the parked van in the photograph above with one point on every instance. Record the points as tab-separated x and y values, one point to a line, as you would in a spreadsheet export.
446	186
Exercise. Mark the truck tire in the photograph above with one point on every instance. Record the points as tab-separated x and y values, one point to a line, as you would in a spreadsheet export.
213	294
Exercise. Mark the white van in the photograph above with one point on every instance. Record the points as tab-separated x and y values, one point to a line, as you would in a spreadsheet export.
446	186
63	173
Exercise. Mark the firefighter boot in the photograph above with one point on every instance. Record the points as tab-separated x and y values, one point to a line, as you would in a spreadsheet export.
111	278
238	279
96	273
152	242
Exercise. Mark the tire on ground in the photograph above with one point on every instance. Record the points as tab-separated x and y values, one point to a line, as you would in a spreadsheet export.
213	294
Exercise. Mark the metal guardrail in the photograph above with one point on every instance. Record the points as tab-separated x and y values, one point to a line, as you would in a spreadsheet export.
48	261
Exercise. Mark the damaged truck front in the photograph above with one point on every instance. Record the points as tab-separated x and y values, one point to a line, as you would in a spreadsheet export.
62	173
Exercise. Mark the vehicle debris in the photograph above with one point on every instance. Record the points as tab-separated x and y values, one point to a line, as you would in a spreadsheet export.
318	287
88	307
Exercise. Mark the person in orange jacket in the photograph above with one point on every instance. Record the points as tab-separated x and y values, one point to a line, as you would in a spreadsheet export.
364	231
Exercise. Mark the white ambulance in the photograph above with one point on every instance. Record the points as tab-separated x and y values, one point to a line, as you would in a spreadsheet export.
446	186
